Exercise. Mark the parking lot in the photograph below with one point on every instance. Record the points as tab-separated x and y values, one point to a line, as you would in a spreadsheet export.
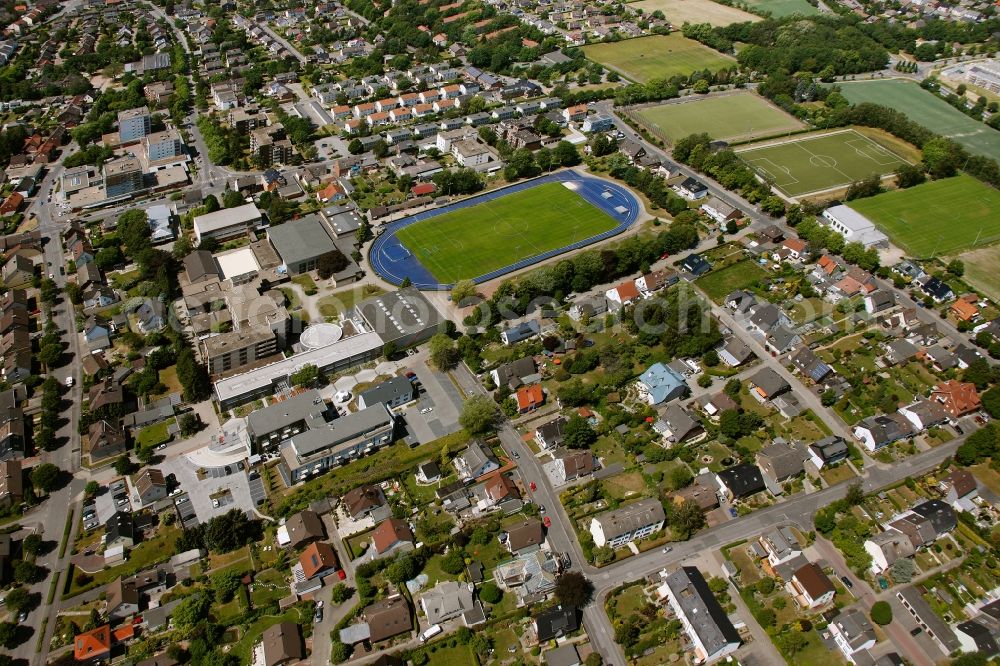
435	414
219	490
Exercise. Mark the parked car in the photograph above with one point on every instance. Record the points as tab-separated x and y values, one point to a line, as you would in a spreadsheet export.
847	582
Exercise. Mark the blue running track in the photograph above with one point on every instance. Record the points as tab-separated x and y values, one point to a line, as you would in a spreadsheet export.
394	263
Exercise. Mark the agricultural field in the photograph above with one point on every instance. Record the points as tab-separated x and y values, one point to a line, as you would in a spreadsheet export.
933	113
473	241
821	162
945	216
779	8
679	12
736	117
657	56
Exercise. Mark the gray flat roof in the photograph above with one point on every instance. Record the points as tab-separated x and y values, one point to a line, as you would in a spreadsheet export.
342	430
399	314
226	217
285	413
259	378
388	391
301	240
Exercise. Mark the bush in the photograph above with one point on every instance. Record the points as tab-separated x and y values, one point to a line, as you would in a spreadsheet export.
490	593
881	613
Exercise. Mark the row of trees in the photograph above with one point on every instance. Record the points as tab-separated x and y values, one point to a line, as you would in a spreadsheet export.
729	170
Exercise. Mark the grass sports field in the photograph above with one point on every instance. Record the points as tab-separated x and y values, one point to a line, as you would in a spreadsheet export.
480	239
944	215
933	113
680	12
821	162
735	117
657	56
779	8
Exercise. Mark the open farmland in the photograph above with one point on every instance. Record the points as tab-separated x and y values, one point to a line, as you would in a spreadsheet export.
924	108
821	161
944	216
680	12
472	241
732	117
657	56
779	8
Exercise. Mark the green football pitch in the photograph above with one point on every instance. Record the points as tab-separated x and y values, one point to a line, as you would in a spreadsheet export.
480	239
823	162
737	117
657	56
922	107
945	216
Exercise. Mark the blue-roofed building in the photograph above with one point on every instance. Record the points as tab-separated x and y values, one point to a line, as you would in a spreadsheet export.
660	384
522	331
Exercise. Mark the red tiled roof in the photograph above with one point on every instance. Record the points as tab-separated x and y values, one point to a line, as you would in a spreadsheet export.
92	644
627	291
958	398
319	556
530	396
389	532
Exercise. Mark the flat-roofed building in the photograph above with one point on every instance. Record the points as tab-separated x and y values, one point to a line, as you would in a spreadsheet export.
344	439
164	145
302	243
122	176
133	124
227	223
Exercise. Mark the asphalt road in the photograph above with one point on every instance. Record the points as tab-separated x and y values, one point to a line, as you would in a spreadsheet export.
49	518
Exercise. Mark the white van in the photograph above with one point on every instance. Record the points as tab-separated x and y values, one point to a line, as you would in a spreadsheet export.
430	633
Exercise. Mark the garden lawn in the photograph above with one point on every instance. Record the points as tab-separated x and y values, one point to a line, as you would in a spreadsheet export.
944	216
736	117
153	435
244	647
717	284
923	107
657	56
460	655
342	301
490	235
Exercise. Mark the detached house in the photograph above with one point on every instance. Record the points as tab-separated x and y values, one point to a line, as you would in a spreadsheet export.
475	461
778	463
630	522
740	481
810	587
958	398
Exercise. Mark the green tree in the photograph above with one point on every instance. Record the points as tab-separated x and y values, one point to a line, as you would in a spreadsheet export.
574	589
956	267
25	572
454	562
902	570
123	465
828	397
490	593
340	593
443	353
91	488
18	599
32	544
578	433
305	376
881	613
232	199
462	290
192	610
339	652
479	415
686	519
8	635
226	584
855	494
44	477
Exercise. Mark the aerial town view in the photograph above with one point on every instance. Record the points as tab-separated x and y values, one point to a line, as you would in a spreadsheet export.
500	332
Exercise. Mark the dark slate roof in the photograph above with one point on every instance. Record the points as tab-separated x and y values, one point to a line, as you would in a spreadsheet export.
743	480
555	622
